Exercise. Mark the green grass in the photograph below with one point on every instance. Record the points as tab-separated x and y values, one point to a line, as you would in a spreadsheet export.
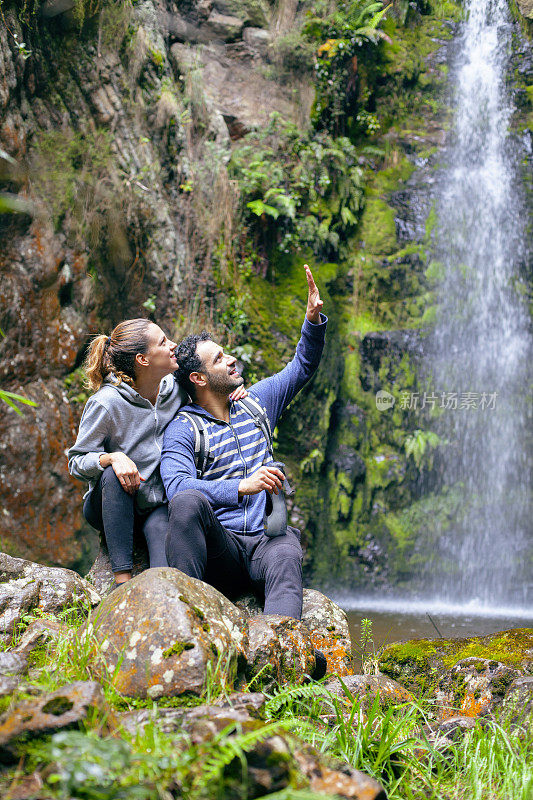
102	761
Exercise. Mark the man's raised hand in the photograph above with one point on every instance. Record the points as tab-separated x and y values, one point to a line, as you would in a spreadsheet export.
269	478
314	303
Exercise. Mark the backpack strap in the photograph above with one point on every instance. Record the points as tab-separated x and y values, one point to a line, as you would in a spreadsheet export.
260	417
202	443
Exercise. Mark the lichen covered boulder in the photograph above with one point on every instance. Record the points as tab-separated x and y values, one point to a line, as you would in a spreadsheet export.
25	585
328	626
280	651
517	707
473	687
50	712
163	632
365	688
420	663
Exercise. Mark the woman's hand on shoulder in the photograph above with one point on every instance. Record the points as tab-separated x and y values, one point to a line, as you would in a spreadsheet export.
125	469
238	393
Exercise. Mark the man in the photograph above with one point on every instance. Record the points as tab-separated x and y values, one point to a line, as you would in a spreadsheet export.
216	520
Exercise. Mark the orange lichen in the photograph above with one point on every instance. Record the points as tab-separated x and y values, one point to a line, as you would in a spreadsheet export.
337	657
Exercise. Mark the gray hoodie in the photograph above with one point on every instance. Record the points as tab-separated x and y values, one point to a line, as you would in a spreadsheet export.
118	418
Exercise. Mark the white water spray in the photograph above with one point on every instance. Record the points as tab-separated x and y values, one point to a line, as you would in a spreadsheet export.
481	343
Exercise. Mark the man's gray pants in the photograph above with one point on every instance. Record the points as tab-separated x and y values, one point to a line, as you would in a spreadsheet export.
235	564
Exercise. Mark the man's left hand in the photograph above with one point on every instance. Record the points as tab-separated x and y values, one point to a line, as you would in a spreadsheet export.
314	303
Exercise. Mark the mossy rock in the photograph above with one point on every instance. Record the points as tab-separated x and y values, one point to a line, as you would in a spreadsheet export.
418	663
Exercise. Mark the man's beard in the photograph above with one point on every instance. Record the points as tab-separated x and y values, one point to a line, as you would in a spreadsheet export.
223	384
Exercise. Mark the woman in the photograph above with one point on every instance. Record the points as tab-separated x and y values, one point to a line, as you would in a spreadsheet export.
118	447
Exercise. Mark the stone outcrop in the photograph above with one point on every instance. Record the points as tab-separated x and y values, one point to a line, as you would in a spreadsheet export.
327	624
365	688
25	585
280	651
63	708
164	633
473	687
419	664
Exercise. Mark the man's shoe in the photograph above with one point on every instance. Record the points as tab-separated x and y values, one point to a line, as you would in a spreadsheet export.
321	666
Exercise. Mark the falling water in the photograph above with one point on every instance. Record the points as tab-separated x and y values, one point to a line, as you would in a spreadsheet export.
481	344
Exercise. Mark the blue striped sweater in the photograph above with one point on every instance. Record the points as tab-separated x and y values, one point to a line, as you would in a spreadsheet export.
239	448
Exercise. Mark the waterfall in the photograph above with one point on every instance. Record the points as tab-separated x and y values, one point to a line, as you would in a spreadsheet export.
480	350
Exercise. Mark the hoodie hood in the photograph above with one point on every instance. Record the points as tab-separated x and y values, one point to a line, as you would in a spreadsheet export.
132	395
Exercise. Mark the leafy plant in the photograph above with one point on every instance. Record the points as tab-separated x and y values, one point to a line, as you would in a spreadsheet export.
298	189
340	36
419	443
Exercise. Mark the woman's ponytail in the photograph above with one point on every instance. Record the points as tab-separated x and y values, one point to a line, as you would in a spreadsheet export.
116	353
96	365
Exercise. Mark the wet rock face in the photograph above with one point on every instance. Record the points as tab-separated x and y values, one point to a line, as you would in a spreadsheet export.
25	585
165	629
65	707
280	651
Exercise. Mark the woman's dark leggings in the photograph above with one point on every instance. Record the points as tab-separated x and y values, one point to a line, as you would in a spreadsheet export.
110	509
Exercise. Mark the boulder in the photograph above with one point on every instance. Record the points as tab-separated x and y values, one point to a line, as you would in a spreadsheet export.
517	707
12	666
366	688
25	585
50	712
419	663
473	687
253	12
273	762
165	633
257	38
454	728
13	663
280	651
526	8
238	707
224	27
328	626
39	632
333	777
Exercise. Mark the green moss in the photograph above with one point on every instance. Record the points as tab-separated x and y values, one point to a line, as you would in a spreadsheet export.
177	649
418	664
377	230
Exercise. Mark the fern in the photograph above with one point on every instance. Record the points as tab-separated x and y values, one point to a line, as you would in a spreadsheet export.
225	748
285	696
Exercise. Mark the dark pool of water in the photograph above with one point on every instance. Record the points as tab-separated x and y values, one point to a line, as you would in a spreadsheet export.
411	621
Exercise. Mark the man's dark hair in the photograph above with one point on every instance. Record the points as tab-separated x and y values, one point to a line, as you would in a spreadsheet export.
189	360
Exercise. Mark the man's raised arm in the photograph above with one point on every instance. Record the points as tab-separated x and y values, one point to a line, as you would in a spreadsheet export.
276	392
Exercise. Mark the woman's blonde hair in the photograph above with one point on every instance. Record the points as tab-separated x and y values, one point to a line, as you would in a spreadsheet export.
116	353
